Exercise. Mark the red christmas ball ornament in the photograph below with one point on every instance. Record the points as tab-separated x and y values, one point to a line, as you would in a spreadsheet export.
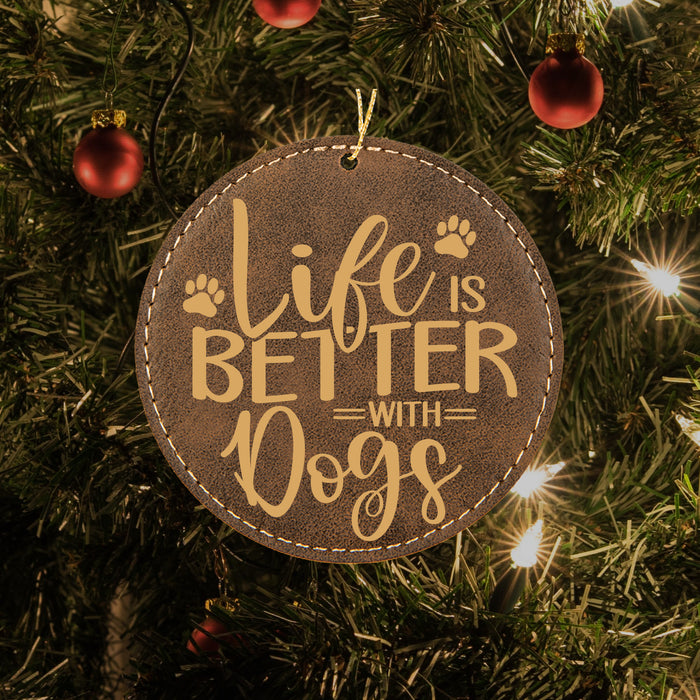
566	89
209	636
286	14
108	162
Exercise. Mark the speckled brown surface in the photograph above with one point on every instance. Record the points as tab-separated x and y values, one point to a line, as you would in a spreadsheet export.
301	194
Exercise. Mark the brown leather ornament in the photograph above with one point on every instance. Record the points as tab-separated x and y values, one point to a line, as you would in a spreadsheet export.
349	365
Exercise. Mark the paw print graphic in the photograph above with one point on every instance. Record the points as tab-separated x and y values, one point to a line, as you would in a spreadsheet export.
456	244
207	298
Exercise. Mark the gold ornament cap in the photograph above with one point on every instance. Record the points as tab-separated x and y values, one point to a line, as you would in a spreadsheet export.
108	117
565	42
231	605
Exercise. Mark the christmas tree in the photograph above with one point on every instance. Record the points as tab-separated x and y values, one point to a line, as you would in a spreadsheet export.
107	560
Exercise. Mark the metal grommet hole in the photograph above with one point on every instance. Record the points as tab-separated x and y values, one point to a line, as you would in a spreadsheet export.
348	163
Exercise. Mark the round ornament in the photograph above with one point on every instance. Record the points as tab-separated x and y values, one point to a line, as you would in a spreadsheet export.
108	162
566	89
209	636
349	365
286	14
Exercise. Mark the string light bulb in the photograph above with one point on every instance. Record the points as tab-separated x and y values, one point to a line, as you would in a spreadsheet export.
525	553
511	586
690	428
661	279
532	480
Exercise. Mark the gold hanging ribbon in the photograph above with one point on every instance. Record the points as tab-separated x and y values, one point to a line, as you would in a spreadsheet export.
362	120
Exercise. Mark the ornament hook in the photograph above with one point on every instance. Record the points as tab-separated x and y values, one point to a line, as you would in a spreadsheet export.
109	88
362	125
221	569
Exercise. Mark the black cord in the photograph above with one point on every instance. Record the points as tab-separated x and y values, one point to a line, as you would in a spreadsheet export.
164	102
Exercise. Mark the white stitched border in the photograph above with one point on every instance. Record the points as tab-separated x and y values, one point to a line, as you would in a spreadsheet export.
493	488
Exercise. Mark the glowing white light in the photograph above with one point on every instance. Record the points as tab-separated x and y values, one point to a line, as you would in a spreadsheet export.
620	3
662	280
555	468
525	554
529	482
690	428
534	479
